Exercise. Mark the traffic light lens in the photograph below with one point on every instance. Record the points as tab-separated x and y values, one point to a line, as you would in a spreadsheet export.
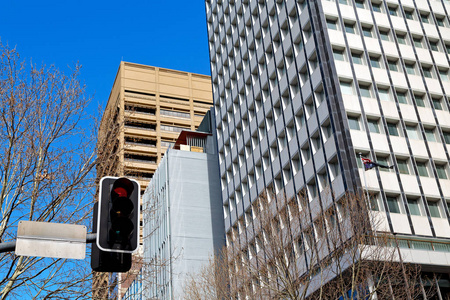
121	192
122	207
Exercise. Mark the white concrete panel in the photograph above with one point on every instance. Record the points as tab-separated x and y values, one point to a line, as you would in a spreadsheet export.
408	113
359	140
421	225
372	45
379	221
363	73
416	83
389	49
371	179
429	186
354	41
381	76
441	227
407	52
379	142
390	182
414	27
399	80
433	86
410	185
443	118
336	37
400	223
424	55
347	12
351	104
418	148
440	59
437	7
371	107
437	151
426	115
430	29
445	185
389	110
399	145
343	69
329	8
382	20
398	23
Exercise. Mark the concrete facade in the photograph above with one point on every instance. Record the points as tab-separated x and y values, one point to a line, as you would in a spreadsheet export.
301	87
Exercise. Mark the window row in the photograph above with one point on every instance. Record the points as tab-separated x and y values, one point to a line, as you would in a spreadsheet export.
405	166
386	35
385	93
396	11
416	205
394	129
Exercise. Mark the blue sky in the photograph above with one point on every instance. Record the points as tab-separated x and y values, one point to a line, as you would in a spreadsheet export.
99	34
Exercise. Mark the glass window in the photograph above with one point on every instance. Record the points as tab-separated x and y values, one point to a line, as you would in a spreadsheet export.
413	205
412	132
384	94
349	28
359	3
373	126
437	104
374	202
365	91
331	24
393	205
375	62
392	129
424	18
353	123
417	42
441	172
410	69
443	74
409	15
384	35
419	100
440	21
393	11
392	65
376	7
343	2
402	166
346	88
422	169
383	161
434	46
429	133
402	97
448	48
433	206
427	72
367	31
338	54
446	136
357	58
401	39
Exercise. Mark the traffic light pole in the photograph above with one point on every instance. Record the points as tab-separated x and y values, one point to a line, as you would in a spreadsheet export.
11	246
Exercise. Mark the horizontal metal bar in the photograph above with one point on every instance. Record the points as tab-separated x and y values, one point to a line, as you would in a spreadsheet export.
11	246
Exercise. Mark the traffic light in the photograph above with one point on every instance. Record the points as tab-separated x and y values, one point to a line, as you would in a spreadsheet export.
116	223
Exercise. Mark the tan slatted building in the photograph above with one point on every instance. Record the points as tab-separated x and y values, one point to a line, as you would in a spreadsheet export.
147	109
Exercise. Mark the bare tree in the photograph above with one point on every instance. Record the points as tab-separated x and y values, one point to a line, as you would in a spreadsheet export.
292	249
45	171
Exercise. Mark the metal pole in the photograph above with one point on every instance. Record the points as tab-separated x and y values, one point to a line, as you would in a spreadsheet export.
11	246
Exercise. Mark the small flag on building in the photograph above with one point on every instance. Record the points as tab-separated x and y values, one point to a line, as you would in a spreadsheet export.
368	164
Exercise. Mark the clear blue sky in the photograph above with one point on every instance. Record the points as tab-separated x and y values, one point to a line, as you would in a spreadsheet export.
99	34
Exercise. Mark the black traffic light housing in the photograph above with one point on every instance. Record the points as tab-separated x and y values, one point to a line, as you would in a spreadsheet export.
116	222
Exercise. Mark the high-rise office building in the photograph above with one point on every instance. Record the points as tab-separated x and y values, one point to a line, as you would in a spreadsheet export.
147	109
301	87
